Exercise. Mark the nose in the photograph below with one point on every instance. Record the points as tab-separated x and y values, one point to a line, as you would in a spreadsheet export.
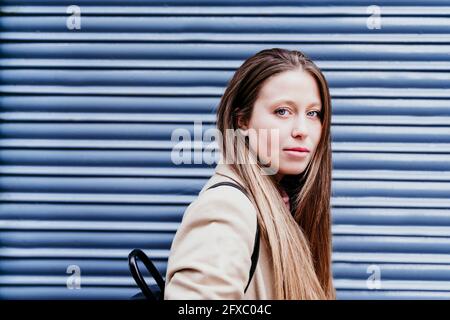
300	128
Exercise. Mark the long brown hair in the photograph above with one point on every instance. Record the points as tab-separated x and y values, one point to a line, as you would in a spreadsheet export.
300	240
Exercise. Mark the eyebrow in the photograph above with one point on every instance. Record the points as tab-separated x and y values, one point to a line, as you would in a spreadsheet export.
291	102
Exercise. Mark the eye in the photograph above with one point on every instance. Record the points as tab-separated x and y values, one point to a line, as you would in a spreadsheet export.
317	113
281	111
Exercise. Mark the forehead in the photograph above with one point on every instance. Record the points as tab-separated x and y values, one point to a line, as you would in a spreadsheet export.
296	85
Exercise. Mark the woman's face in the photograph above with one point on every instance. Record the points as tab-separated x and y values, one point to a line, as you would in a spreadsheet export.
289	106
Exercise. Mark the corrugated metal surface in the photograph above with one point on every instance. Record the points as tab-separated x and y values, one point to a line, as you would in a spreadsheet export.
87	117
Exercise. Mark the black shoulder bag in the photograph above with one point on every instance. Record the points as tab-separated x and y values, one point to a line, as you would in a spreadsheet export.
156	291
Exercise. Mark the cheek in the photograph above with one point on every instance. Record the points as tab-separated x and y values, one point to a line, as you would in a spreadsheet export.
266	143
270	132
266	136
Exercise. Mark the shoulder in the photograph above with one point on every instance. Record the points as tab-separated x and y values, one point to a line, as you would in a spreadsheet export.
222	203
220	215
210	255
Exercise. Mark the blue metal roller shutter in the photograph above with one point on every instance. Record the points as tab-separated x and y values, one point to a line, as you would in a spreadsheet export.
87	117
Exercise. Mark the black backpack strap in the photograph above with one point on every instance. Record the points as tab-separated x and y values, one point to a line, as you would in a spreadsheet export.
255	254
154	292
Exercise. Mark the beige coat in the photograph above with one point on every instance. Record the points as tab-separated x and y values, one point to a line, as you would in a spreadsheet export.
210	257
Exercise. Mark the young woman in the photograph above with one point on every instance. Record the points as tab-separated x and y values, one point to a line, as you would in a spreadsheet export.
278	104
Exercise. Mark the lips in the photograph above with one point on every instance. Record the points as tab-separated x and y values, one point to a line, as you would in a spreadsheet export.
298	149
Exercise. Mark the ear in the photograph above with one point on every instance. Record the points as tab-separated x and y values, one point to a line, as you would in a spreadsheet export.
242	125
